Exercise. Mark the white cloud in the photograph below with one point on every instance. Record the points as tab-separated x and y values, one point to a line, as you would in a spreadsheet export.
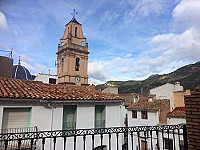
187	13
97	71
3	22
28	66
172	49
42	69
146	8
100	72
168	51
26	58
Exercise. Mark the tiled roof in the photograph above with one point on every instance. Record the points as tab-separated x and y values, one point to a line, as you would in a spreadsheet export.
24	89
144	104
74	21
178	112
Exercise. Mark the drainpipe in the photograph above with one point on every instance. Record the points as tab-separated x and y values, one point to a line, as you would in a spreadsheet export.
52	112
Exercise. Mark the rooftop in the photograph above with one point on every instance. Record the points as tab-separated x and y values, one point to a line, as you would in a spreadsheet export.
24	89
74	21
178	112
144	104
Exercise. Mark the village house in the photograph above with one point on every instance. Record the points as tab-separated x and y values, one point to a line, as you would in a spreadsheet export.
164	105
56	107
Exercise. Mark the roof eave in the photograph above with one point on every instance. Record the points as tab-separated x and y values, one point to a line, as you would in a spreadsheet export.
57	101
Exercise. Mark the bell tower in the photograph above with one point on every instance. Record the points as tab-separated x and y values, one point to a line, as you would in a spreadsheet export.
72	55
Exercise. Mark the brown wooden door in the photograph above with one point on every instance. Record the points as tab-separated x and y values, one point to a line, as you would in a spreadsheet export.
143	145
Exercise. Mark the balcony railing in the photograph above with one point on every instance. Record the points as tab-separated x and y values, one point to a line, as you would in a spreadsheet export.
13	144
116	138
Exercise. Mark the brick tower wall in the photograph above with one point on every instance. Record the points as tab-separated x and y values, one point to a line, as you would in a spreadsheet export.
192	109
6	67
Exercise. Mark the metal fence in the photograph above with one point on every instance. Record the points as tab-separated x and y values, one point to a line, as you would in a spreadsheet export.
172	137
13	144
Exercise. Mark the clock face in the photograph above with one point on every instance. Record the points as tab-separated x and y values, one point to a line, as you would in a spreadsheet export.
78	79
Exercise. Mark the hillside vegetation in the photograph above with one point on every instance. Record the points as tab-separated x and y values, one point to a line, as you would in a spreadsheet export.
188	76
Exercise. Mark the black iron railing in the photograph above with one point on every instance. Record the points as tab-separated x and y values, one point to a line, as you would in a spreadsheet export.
115	138
11	144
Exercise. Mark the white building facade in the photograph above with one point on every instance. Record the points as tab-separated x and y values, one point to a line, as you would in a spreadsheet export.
47	78
96	110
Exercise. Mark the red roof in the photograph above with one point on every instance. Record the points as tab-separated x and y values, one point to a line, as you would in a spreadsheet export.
178	112
144	104
24	89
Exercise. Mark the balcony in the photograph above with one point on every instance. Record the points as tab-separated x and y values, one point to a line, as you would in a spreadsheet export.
13	144
116	138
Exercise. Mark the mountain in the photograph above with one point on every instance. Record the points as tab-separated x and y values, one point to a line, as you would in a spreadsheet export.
188	76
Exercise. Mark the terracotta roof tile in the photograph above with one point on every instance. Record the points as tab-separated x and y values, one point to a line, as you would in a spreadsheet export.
144	104
178	112
23	89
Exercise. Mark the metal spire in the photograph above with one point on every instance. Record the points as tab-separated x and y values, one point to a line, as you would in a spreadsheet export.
74	13
19	63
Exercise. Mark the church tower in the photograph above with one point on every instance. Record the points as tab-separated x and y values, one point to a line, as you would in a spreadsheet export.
72	55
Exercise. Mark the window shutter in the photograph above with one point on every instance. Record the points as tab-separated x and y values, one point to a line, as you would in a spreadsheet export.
16	118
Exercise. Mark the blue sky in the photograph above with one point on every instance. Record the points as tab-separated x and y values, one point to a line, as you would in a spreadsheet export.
128	39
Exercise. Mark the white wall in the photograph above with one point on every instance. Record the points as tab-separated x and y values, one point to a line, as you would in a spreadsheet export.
42	117
45	78
153	119
165	91
174	121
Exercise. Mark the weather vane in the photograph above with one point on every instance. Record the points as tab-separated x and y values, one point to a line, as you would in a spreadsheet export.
74	13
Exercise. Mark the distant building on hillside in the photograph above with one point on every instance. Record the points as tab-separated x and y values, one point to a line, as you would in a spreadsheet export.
166	91
111	89
130	97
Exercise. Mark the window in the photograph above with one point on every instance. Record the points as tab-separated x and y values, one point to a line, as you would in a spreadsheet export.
51	80
75	31
77	64
62	64
100	116
69	117
144	115
134	113
16	118
168	144
82	43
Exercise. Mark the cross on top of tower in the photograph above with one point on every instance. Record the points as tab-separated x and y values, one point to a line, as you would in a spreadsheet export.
19	62
74	13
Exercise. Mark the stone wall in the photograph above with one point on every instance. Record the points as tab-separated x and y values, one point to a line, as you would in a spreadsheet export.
192	108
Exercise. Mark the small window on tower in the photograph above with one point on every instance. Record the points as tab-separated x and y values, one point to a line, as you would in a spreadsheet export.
75	31
68	29
82	43
62	64
77	64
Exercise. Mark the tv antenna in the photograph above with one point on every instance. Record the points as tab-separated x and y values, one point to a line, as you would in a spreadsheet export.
7	51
